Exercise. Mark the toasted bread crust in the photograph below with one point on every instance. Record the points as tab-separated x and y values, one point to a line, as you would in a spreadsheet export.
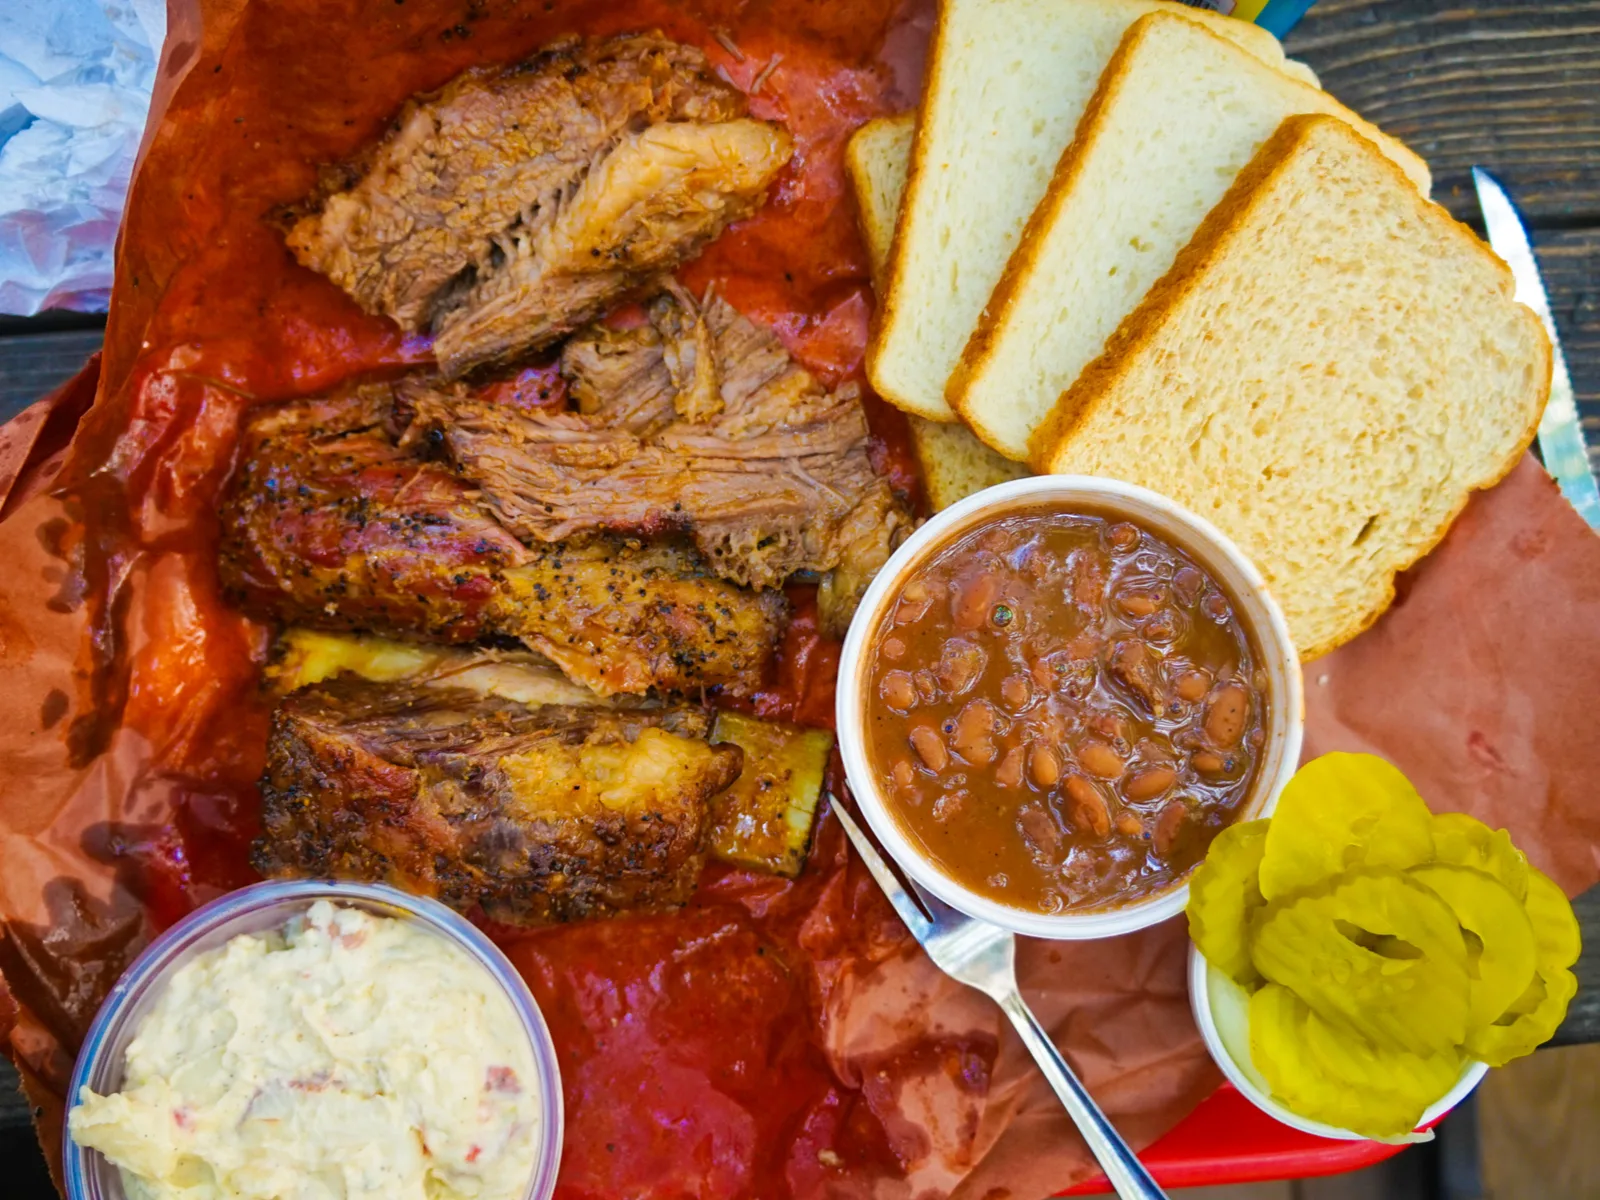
1209	244
888	307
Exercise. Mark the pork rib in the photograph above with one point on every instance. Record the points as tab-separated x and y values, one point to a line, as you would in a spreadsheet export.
536	814
328	523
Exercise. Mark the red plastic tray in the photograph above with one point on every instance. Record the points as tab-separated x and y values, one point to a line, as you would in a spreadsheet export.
1229	1140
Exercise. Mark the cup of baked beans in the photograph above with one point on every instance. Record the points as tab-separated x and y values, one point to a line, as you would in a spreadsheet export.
1054	696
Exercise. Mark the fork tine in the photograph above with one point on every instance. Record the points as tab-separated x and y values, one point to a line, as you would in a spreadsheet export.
941	915
904	903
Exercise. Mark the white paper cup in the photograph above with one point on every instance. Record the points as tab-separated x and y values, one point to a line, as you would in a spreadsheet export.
1218	1009
1218	556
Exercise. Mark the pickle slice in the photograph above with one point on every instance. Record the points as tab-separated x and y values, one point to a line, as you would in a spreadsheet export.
1285	1050
1503	968
1498	1044
1555	926
1374	951
1420	1078
1465	841
1532	996
1223	893
1342	812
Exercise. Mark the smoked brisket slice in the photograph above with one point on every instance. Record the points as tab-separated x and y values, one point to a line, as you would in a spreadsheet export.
516	203
700	422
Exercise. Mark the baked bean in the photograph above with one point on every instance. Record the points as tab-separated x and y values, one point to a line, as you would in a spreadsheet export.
898	691
1044	764
974	736
1162	628
1078	668
915	601
973	602
1169	824
1187	584
1192	685
1015	692
925	740
1009	773
1138	604
1099	759
949	804
1149	782
1227	712
1088	806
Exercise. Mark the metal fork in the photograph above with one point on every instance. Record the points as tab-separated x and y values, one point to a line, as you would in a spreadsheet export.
983	956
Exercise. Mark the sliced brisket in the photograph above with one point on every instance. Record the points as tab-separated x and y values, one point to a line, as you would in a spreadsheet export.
699	421
514	204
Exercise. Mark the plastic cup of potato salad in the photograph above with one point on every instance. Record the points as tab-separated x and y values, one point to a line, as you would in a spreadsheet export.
522	1118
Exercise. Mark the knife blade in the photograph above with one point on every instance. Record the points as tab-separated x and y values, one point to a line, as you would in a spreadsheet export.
1561	442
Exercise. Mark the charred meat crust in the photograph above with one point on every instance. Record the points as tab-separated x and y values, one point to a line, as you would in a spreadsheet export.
533	814
514	203
330	524
698	421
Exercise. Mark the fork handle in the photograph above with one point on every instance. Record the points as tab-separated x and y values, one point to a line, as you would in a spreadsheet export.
1121	1165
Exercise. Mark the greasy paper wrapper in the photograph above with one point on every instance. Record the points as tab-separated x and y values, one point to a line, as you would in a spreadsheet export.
775	1038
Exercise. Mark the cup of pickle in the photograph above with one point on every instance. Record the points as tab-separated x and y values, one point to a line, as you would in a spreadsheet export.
1359	962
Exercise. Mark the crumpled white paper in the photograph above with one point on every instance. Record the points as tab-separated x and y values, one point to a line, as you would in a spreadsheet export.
75	80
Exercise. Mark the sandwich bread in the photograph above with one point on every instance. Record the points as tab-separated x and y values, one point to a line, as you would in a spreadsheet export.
954	463
1176	116
1330	368
1007	81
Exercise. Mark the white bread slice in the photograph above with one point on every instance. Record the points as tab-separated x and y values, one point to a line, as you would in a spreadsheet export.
954	463
877	157
1329	369
1006	83
1131	190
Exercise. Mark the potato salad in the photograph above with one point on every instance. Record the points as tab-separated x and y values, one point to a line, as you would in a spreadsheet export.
347	1055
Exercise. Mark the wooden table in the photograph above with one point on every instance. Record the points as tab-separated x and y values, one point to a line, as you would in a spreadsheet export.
1515	88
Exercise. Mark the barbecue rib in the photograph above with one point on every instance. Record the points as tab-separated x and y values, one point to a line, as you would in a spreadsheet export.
516	203
329	523
538	814
698	421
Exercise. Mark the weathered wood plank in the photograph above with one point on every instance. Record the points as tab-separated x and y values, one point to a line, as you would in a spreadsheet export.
1583	1014
1513	86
